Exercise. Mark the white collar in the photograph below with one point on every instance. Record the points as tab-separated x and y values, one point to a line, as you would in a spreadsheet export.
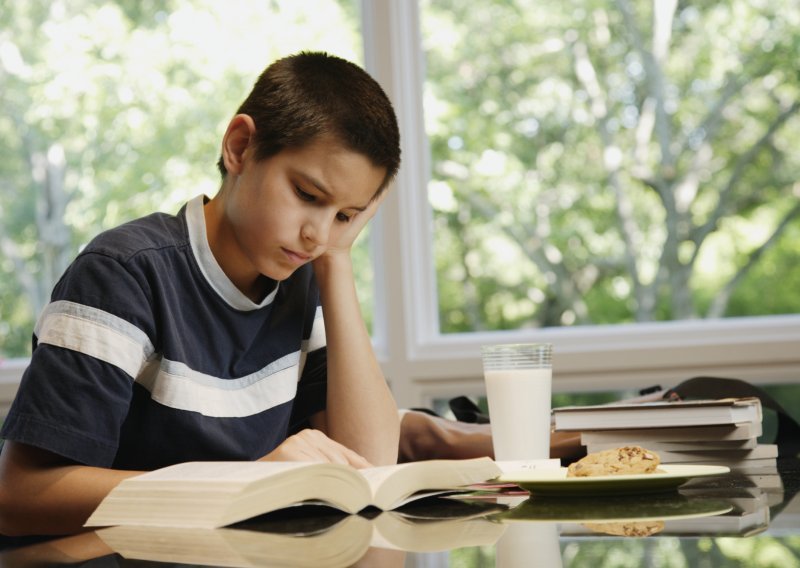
213	273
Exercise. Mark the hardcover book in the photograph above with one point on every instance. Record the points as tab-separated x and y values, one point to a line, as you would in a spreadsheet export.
661	414
216	494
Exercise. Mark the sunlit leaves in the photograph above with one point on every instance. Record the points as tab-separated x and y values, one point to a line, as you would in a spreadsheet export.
571	125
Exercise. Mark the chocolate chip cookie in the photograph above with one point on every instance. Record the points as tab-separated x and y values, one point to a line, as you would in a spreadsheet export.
626	460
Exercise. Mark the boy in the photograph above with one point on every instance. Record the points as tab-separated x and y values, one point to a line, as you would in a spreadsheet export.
201	336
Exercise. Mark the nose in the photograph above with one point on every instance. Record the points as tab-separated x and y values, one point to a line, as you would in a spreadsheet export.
316	230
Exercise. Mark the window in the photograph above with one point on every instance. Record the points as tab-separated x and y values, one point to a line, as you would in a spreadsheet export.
602	175
611	162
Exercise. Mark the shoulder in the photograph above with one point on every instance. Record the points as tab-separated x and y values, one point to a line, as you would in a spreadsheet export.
123	263
154	232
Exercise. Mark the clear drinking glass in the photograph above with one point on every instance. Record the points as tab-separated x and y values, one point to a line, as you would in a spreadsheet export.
518	388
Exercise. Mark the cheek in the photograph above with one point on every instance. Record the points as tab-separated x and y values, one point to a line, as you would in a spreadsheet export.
337	230
267	225
249	221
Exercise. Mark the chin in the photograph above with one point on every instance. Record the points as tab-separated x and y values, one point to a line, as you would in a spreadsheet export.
279	275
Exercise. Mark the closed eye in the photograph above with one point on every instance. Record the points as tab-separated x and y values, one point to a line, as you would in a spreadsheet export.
344	217
304	195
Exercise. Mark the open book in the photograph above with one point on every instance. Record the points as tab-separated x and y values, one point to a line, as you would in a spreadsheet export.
215	494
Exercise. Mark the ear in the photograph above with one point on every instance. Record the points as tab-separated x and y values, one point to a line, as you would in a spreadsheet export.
237	138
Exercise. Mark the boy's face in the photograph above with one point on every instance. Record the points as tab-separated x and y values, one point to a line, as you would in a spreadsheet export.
289	209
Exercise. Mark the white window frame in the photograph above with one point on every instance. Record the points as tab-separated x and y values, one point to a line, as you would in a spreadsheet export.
423	364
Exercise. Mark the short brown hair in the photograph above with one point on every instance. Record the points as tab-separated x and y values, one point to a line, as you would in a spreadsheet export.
305	95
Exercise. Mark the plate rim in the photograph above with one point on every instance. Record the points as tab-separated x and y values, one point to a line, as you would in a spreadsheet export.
558	476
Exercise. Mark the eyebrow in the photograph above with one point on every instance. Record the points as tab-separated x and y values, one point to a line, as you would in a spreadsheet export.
322	189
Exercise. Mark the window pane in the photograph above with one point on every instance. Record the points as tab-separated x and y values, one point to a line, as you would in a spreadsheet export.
111	110
600	162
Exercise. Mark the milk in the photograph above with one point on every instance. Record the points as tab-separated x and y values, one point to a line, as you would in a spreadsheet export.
519	410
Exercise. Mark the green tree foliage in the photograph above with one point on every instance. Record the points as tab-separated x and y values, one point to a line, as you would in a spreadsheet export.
607	161
113	109
762	550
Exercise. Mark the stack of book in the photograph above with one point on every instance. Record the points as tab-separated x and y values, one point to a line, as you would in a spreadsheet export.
709	432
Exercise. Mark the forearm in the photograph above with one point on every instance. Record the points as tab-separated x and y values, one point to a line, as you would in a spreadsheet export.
361	411
426	437
566	445
40	494
431	437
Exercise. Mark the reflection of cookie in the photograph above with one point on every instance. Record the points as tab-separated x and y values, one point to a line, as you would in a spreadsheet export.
619	461
641	528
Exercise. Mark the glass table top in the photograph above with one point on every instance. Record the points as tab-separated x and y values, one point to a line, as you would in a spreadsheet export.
728	520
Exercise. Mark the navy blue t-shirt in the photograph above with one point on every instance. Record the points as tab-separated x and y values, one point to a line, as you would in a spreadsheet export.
148	355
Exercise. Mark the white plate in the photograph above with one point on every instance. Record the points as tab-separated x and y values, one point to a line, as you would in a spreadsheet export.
514	467
556	482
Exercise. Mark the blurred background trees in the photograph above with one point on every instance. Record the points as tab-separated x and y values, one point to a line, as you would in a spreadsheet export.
607	161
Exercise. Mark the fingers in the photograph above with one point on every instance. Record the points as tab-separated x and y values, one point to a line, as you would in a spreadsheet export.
313	445
358	223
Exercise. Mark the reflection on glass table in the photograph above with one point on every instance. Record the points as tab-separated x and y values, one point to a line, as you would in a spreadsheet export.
729	520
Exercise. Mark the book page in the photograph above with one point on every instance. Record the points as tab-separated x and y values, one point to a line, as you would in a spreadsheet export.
375	476
394	485
223	470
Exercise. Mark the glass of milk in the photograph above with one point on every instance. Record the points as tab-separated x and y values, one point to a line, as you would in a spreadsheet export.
518	387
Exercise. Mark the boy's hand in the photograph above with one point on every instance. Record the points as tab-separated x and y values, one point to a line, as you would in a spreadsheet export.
342	241
314	446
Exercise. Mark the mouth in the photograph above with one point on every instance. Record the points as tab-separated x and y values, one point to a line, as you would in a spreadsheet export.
296	257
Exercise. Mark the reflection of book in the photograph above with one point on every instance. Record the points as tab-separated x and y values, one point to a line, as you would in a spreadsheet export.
730	524
215	494
661	414
750	512
769	481
340	545
314	542
413	535
729	432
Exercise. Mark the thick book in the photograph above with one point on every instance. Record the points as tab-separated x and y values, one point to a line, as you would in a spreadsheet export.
709	456
660	414
216	494
657	446
742	432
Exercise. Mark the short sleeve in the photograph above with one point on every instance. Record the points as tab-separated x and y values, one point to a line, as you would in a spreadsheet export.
89	344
